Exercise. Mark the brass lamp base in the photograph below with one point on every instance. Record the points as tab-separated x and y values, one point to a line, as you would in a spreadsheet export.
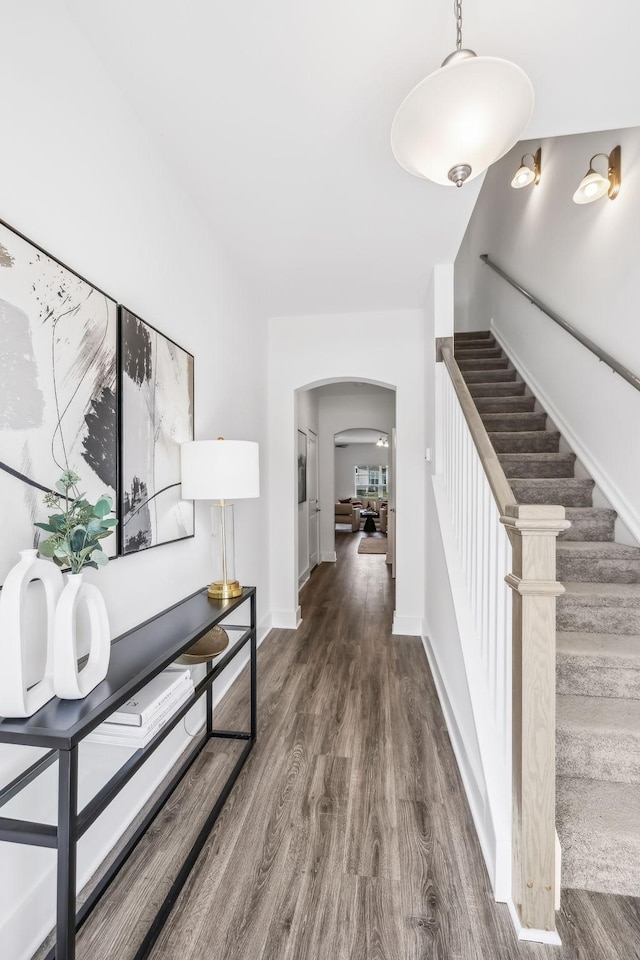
224	590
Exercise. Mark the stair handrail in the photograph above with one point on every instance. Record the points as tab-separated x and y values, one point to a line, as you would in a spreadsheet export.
500	486
602	355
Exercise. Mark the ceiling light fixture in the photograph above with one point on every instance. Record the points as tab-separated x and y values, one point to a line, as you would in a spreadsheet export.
525	175
594	185
463	117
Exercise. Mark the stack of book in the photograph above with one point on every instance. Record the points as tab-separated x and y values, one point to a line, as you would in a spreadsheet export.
137	721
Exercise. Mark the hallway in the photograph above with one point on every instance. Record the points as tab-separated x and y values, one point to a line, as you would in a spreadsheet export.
347	836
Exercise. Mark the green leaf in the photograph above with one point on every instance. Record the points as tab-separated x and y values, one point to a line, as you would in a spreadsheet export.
61	553
47	547
102	508
110	522
60	487
46	526
100	558
94	526
78	538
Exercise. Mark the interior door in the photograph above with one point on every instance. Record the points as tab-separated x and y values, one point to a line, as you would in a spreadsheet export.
312	497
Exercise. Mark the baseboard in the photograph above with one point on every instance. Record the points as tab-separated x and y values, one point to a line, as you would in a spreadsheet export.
286	619
473	789
628	515
550	937
328	556
406	626
304	576
264	627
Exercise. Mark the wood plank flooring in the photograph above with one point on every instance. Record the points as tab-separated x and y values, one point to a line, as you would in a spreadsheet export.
347	835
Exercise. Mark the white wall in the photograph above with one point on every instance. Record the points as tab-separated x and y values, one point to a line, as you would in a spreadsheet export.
81	178
302	351
352	456
582	261
307	421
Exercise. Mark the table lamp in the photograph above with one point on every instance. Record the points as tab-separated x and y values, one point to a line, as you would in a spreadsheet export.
221	470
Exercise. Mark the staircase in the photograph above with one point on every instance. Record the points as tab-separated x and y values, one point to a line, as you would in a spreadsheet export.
598	631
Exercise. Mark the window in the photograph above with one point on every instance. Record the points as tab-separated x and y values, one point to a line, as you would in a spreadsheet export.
371	481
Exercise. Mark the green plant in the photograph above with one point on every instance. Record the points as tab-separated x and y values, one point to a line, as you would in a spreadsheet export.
76	531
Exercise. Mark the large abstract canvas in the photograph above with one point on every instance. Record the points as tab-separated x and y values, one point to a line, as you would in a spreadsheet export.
157	416
58	342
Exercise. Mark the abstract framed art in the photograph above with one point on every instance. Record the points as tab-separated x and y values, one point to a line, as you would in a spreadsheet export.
156	416
302	466
58	388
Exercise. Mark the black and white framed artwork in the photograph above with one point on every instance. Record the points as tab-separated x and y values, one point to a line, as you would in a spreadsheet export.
156	395
302	466
58	344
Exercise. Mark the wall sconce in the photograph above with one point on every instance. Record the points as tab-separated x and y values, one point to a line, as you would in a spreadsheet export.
525	175
594	185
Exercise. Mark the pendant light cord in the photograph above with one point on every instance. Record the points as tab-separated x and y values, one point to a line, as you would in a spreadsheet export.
457	6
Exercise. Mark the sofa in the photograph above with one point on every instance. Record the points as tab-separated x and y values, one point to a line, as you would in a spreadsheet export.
348	513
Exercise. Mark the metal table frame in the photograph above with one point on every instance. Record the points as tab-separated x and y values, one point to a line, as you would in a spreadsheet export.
137	656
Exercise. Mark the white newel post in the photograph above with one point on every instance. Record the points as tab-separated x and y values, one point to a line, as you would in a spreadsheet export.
533	531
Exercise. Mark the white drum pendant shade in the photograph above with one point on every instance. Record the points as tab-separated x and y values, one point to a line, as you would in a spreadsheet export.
470	111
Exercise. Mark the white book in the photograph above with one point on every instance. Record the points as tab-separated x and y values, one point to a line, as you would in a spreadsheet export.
137	737
140	708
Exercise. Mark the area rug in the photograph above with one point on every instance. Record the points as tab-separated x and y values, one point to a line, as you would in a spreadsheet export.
372	545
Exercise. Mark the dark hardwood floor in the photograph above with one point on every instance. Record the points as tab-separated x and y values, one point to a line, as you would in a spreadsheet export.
347	836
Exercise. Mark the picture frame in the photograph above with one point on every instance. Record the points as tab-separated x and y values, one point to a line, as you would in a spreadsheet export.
302	467
156	380
58	388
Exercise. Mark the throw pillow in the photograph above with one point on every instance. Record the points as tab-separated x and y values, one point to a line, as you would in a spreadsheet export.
348	500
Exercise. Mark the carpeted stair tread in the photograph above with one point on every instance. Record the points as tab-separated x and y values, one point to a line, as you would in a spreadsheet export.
502	375
487	344
589	523
568	492
598	665
597	824
508	388
486	363
524	441
505	404
599	608
541	465
513	422
477	353
598	738
473	335
595	561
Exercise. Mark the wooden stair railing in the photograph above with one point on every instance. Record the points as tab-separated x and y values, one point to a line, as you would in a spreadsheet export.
532	531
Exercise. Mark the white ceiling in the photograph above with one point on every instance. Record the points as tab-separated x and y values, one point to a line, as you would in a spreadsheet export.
276	117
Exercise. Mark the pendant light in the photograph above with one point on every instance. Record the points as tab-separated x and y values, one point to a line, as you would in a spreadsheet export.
463	117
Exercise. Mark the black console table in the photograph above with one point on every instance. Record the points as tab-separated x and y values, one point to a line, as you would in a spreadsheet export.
60	725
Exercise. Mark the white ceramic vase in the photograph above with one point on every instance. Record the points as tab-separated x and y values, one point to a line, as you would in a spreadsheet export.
68	682
15	699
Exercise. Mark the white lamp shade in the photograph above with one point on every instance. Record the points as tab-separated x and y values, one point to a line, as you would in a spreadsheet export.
523	177
592	187
470	111
220	469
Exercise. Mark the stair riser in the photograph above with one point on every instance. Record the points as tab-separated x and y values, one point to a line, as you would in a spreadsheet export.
530	441
573	614
591	570
492	363
599	527
583	676
513	422
487	344
514	389
505	404
566	493
607	755
489	376
538	469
